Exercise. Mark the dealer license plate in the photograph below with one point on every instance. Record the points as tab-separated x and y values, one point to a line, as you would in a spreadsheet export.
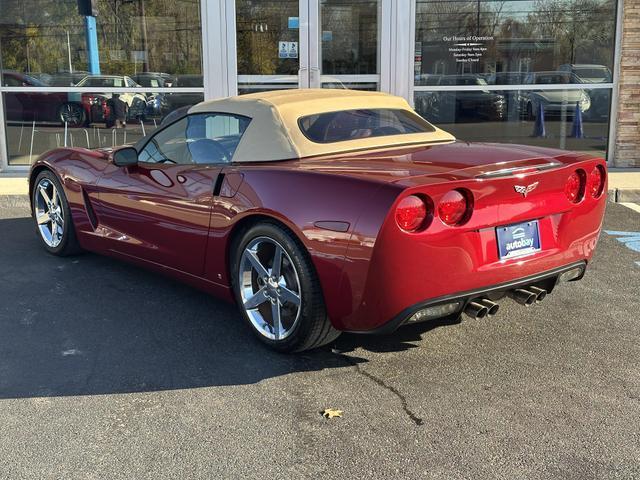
519	239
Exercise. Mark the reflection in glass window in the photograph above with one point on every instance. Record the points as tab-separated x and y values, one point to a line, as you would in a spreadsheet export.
349	36
568	119
354	124
46	38
262	30
501	41
35	121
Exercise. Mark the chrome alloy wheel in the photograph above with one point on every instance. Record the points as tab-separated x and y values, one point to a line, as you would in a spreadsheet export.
72	114
269	288
49	212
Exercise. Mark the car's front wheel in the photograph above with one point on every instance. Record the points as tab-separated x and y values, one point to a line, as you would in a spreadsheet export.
72	114
53	216
277	290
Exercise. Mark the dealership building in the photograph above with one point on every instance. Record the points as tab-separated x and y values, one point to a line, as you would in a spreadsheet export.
101	73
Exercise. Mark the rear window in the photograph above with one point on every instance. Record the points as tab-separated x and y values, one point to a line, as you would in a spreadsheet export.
354	124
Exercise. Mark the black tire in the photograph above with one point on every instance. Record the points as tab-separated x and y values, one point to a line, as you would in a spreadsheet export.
73	113
69	244
313	328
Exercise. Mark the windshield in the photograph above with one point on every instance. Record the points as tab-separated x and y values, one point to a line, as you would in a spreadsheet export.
354	124
552	79
102	82
594	73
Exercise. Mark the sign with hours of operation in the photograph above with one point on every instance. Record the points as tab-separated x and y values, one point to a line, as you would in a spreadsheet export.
288	49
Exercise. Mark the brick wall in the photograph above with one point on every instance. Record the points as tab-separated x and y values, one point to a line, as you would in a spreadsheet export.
627	149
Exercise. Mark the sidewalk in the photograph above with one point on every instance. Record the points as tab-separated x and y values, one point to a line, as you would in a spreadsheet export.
14	185
624	185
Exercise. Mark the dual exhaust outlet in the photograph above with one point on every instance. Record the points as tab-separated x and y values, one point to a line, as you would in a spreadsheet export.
524	296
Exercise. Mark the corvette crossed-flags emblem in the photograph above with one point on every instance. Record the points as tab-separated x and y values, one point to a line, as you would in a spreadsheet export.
525	190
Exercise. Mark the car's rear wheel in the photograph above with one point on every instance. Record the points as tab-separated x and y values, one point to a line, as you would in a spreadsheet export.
278	291
53	216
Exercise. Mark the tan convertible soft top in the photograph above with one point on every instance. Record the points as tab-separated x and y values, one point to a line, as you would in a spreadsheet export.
274	133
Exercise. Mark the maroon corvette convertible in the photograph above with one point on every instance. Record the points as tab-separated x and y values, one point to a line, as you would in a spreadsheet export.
321	211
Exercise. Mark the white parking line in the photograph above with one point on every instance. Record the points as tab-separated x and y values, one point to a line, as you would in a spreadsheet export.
632	206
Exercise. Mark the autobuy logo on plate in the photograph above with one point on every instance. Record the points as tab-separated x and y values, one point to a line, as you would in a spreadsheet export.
519	240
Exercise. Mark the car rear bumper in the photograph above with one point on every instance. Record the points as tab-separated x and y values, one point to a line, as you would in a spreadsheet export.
403	269
545	280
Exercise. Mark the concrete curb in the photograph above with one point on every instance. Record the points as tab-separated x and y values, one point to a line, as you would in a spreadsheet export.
14	201
630	195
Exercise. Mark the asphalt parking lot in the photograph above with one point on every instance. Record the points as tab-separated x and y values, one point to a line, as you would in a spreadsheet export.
108	371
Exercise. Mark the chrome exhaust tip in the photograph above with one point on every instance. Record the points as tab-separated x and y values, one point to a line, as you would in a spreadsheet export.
522	296
541	293
492	307
476	310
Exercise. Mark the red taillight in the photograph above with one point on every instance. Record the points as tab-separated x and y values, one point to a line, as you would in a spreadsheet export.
573	189
411	213
453	207
596	181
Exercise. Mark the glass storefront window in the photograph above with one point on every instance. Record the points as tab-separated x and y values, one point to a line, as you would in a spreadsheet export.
568	119
534	46
141	45
35	121
146	40
502	42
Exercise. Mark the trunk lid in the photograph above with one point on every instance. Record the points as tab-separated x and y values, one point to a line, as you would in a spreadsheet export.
410	167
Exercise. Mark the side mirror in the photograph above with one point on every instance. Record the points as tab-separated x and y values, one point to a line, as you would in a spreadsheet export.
125	157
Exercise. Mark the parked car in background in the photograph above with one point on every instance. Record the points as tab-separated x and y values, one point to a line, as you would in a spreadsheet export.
153	79
178	100
158	104
512	97
587	73
593	74
66	79
45	78
506	78
76	109
136	102
451	106
554	102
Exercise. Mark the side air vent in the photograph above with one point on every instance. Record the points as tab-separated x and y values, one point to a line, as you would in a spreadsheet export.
93	219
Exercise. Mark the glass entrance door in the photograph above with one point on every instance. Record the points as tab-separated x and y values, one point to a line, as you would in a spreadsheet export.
307	43
269	45
348	43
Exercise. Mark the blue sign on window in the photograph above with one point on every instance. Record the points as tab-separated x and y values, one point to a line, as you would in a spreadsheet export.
294	22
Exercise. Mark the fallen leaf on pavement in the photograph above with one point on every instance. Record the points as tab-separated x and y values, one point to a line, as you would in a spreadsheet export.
331	412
